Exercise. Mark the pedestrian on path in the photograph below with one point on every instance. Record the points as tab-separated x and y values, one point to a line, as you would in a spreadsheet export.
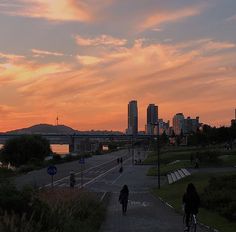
191	202
123	198
72	179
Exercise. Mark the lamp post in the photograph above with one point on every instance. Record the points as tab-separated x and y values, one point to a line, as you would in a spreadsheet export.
158	152
158	155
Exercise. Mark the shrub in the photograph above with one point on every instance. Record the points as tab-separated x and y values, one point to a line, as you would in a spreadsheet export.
54	210
220	196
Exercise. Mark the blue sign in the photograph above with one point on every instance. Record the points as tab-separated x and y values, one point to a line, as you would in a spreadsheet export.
52	170
81	160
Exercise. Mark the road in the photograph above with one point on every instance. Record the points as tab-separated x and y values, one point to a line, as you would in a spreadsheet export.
93	167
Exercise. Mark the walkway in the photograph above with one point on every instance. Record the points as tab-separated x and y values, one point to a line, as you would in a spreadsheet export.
145	212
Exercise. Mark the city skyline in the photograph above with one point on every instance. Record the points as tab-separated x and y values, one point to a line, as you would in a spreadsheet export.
84	61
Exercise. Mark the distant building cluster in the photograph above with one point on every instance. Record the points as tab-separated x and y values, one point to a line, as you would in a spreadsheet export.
181	125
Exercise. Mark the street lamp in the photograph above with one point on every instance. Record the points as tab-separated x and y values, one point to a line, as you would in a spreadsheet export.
158	155
158	152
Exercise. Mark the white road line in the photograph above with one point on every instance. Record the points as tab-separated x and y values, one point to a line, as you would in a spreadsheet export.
113	182
103	174
85	171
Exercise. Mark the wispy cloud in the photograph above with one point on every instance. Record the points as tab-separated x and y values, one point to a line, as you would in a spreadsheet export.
231	18
89	60
11	56
42	53
177	77
60	10
162	16
105	40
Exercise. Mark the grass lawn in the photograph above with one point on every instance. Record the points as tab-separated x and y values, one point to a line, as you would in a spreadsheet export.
229	159
173	195
166	168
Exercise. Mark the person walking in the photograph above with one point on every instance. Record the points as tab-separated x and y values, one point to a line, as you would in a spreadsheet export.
123	198
72	179
191	203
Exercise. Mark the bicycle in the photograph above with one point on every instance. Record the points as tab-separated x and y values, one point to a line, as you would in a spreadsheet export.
192	226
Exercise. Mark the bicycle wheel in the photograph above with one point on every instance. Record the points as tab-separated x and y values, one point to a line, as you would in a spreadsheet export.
193	224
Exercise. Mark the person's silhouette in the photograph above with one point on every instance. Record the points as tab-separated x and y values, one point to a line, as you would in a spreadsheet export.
191	202
123	198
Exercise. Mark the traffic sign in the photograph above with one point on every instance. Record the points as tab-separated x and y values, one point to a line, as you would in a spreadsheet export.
81	160
52	170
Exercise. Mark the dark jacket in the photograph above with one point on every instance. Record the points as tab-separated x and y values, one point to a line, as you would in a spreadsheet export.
191	202
124	195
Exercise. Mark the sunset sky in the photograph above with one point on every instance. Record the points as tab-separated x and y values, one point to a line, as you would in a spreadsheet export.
85	60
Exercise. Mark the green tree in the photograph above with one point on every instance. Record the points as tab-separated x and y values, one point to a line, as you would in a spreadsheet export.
25	149
164	138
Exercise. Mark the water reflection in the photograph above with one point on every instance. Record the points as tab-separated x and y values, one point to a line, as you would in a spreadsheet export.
60	148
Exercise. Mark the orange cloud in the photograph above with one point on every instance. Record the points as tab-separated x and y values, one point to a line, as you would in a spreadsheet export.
43	53
100	40
161	17
89	60
60	10
194	79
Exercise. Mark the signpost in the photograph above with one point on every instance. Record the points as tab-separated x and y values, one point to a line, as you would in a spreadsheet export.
81	162
52	170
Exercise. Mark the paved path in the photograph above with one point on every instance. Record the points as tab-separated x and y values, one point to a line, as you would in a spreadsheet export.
145	212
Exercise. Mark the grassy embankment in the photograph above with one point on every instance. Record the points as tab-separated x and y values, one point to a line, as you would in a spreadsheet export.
217	201
173	160
58	210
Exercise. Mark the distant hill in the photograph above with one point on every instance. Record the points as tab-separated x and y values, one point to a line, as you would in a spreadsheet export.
43	129
60	129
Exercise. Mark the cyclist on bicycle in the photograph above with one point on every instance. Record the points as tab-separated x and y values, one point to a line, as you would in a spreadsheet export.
191	202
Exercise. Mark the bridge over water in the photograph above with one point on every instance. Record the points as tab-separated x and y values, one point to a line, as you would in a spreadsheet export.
76	141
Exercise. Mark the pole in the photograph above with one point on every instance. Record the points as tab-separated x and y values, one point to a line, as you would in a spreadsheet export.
132	150
52	181
81	176
158	155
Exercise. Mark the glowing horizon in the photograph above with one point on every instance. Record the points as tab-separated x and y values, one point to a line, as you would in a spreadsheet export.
85	60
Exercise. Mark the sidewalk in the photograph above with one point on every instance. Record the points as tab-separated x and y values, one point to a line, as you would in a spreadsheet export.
145	212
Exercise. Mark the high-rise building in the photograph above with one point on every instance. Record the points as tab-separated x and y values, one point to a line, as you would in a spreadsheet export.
152	119
132	118
191	125
178	123
164	127
185	125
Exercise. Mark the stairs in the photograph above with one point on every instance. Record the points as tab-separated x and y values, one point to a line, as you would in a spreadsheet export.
177	175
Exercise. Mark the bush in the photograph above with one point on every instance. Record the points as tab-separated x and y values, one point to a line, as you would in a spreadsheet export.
210	157
220	196
54	210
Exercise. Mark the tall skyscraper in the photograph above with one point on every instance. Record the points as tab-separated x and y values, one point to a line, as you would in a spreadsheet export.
132	118
178	123
152	118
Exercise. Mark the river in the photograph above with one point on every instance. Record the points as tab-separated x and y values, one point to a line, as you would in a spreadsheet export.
57	148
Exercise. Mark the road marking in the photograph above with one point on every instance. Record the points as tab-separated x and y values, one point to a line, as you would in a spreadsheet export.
113	182
85	171
103	174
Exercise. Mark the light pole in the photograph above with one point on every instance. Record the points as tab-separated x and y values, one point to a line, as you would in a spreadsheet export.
158	155
158	151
